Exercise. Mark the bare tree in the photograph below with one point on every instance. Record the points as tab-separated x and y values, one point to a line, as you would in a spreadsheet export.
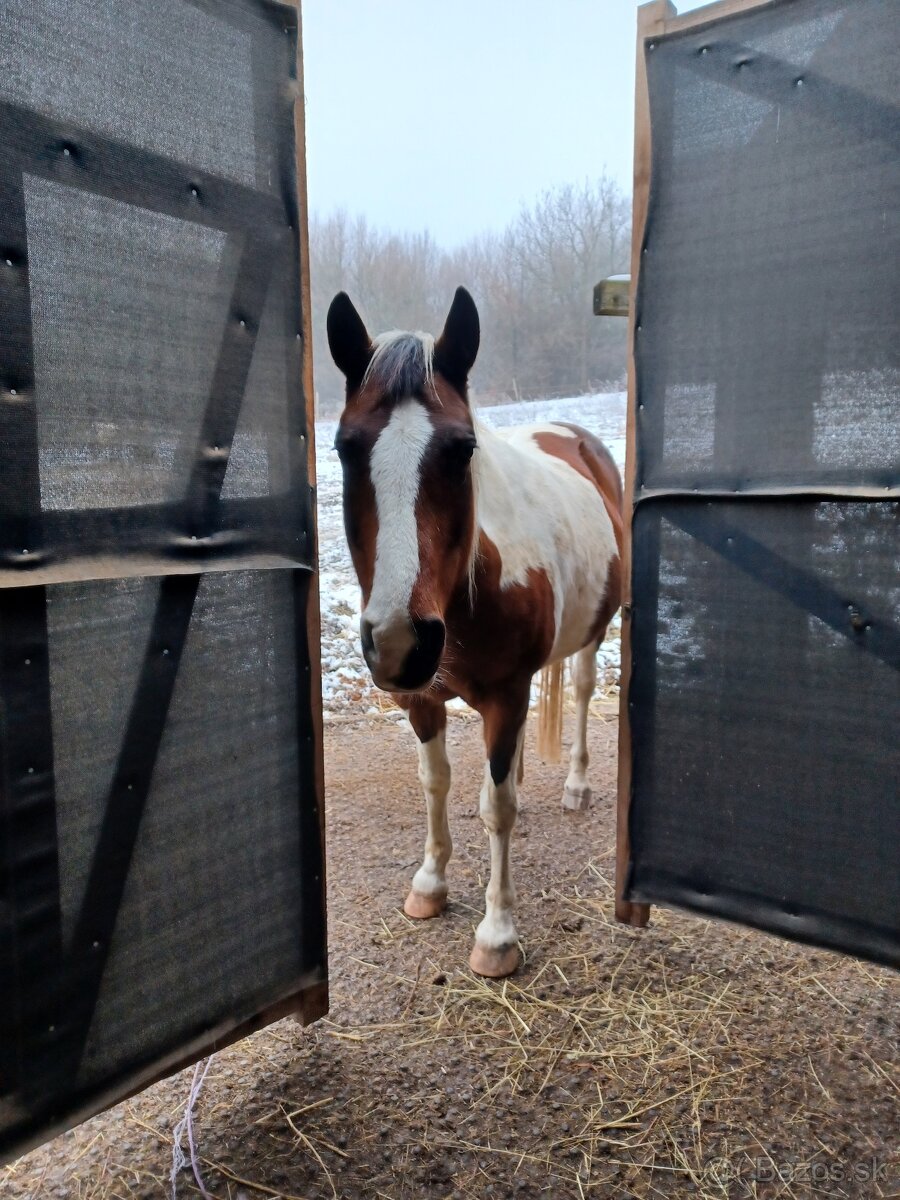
533	284
564	243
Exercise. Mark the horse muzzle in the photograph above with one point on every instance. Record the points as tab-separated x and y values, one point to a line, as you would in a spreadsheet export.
403	656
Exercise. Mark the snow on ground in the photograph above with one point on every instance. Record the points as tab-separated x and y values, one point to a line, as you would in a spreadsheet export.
346	686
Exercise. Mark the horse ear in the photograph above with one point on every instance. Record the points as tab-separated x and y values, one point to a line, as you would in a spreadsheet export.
456	348
348	339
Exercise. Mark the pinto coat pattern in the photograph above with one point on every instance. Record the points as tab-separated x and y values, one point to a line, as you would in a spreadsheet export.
483	556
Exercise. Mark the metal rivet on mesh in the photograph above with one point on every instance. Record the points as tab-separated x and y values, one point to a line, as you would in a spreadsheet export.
704	49
13	392
651	46
798	82
242	323
9	262
27	662
857	620
95	945
31	770
67	152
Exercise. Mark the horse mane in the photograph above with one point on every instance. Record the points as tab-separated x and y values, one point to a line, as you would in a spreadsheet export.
402	364
475	553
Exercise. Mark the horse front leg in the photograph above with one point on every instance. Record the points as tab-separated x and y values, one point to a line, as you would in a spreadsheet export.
496	949
428	894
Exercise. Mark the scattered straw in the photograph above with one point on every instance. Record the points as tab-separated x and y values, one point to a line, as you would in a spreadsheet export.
671	1062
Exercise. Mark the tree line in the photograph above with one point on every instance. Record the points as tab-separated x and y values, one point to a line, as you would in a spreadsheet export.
533	284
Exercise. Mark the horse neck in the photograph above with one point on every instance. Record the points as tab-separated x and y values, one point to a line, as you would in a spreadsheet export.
499	470
492	480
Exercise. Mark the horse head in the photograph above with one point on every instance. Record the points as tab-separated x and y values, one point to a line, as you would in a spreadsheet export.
405	441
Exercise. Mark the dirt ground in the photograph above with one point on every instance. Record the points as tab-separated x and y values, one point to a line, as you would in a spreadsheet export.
690	1059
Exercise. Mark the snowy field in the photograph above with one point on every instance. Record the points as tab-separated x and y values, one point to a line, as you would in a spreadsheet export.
346	686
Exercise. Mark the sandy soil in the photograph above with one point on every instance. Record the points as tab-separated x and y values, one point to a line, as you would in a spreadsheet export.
690	1059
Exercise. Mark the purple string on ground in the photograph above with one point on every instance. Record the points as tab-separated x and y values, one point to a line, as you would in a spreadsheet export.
195	1092
187	1123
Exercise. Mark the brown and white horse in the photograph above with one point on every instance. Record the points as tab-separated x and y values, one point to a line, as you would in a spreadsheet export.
483	556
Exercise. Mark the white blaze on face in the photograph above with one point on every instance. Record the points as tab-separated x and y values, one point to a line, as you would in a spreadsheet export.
395	466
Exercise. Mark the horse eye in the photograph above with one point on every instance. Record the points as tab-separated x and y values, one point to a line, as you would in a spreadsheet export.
347	445
461	450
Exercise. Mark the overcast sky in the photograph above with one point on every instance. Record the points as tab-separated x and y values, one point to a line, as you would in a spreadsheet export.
449	114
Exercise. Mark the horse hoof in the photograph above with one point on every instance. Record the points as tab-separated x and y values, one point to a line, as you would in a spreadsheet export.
576	799
421	907
495	964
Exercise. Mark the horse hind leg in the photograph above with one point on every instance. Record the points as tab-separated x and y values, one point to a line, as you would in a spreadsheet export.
577	791
428	894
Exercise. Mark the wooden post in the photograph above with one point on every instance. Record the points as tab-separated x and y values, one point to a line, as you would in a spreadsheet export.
652	20
314	1002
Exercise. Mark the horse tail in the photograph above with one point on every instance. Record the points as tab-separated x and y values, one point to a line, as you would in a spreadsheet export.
550	712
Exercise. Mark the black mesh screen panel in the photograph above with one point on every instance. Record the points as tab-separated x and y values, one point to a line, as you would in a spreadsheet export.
160	847
765	690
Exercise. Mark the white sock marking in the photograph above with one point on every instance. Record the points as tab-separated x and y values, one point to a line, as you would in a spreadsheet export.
434	772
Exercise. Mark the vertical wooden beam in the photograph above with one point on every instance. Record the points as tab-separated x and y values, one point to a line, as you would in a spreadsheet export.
651	23
315	1000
